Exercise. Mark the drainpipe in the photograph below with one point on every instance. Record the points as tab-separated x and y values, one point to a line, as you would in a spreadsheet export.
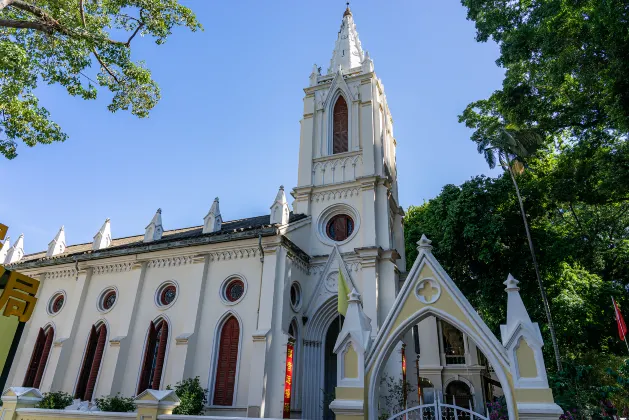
261	272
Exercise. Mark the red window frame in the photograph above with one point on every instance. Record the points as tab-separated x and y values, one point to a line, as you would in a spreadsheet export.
39	358
154	356
227	363
233	283
340	124
91	363
340	227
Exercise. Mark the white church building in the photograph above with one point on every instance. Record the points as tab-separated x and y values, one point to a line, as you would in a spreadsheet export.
222	300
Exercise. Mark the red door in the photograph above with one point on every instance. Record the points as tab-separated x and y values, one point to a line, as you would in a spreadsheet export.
226	363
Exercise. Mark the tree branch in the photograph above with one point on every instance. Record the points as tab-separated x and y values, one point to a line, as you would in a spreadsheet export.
134	34
103	65
26	24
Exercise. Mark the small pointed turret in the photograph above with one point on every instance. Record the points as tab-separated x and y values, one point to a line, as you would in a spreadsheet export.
279	210
102	239
4	249
16	252
348	52
213	221
58	244
516	311
154	230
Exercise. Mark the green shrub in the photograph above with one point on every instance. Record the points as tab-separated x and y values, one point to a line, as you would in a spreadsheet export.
116	404
55	400
192	395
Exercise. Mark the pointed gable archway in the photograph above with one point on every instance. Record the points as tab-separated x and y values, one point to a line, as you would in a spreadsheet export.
429	291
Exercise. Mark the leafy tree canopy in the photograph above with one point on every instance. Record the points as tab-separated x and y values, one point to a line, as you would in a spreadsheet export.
582	247
58	41
567	66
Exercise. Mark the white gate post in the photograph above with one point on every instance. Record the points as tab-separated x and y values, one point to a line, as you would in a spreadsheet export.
350	348
523	341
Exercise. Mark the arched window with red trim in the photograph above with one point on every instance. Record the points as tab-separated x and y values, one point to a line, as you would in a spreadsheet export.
39	358
227	362
91	363
154	356
340	124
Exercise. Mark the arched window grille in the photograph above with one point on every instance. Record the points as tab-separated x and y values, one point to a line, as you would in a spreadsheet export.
340	124
39	358
154	355
91	363
227	362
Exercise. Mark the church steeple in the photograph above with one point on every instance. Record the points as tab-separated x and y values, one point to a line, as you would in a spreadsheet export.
348	53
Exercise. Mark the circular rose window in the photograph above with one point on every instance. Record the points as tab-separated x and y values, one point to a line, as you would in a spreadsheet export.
107	299
56	303
166	294
340	227
234	290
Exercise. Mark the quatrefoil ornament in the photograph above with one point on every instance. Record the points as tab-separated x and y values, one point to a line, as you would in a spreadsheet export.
427	291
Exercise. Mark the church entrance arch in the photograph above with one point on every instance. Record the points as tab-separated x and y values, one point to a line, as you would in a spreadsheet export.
382	349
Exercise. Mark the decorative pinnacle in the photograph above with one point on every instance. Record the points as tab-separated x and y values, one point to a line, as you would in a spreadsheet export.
347	11
511	283
159	211
354	296
424	243
282	187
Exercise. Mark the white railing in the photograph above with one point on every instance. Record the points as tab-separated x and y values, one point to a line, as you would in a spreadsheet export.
439	411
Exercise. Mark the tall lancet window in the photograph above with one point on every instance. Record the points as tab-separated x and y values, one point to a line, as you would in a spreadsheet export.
91	363
154	355
340	127
227	363
39	358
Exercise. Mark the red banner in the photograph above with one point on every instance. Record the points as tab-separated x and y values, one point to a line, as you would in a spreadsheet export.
288	381
404	373
620	321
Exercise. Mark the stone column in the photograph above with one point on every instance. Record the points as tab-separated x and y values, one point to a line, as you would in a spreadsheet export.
523	341
369	266
350	348
18	397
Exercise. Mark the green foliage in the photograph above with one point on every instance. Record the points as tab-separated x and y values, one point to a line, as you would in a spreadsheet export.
583	249
566	64
116	404
58	41
192	395
55	400
395	395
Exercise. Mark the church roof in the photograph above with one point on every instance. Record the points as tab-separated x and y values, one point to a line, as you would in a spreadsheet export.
230	231
348	52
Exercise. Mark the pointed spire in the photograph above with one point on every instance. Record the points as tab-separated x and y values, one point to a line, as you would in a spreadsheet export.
213	220
58	244
357	325
516	311
16	252
154	230
348	52
279	210
4	249
314	76
102	239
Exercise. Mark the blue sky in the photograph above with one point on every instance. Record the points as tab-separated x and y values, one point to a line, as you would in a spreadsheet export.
228	121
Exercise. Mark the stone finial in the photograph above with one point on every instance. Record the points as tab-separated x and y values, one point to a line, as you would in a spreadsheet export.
354	296
154	230
314	76
58	244
16	252
279	209
367	64
213	220
4	249
424	244
512	284
102	239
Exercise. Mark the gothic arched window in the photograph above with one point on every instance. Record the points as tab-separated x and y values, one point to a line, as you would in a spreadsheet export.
340	127
39	358
154	355
91	363
226	363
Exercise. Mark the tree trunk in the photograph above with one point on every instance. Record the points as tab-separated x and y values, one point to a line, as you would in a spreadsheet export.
542	290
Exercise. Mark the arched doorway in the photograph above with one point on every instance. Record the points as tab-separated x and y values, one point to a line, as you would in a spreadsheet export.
330	365
458	393
386	342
